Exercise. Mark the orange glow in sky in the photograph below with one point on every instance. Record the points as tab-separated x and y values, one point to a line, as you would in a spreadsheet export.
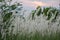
35	3
40	3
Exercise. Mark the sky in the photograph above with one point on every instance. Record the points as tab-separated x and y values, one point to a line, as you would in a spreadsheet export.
32	4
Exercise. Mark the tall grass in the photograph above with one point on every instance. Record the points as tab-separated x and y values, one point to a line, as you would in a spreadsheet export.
38	36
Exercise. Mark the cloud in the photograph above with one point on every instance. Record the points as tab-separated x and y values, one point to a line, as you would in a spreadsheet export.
35	3
32	4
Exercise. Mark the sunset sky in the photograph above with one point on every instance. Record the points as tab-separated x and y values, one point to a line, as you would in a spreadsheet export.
32	4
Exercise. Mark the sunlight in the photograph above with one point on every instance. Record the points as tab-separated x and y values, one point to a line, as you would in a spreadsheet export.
36	3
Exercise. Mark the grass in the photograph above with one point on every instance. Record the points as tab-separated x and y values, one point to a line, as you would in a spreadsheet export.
34	36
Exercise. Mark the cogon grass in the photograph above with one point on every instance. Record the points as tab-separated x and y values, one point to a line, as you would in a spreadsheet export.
37	36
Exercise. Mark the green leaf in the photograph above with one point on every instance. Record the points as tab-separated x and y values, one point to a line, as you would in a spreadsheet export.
39	12
53	11
49	16
38	7
54	19
13	7
33	13
45	10
7	16
1	0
